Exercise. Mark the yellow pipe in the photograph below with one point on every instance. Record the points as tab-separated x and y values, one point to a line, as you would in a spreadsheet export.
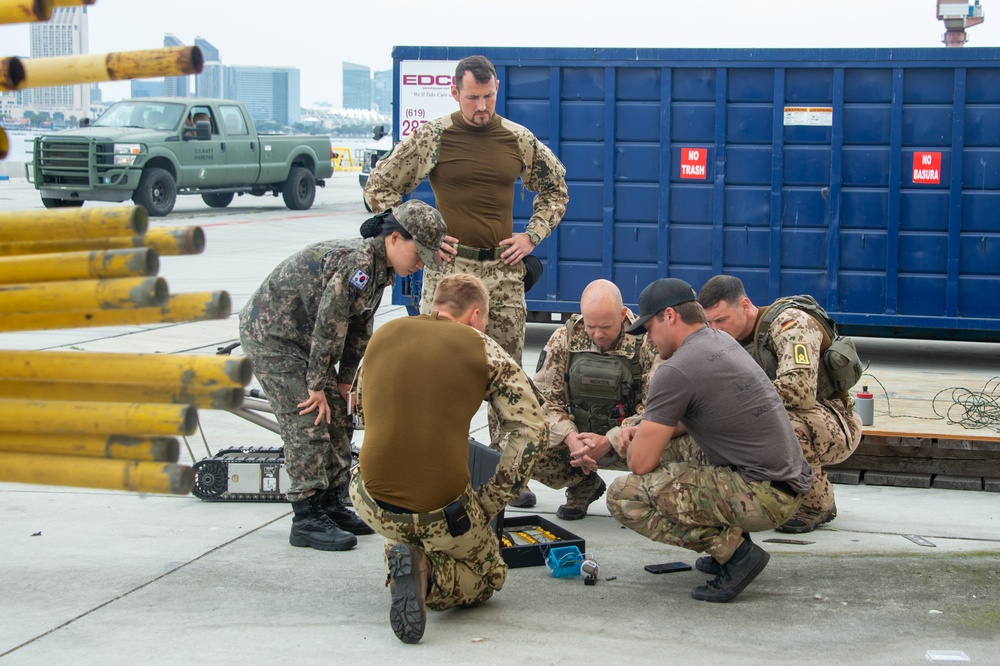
179	308
25	11
79	266
82	294
172	241
11	74
4	145
96	418
100	367
175	241
204	397
72	3
72	223
137	476
119	447
92	68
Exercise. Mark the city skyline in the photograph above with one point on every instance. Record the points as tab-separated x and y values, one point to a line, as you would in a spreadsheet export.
319	40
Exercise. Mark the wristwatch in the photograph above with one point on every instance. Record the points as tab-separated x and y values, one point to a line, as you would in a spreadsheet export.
533	237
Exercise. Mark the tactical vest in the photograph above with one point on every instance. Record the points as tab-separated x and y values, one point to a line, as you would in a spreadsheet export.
603	388
839	365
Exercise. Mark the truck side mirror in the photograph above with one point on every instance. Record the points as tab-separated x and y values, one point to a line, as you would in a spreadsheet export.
203	130
378	132
84	122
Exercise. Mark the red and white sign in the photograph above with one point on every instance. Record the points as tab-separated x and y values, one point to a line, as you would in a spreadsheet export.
424	92
927	168
693	163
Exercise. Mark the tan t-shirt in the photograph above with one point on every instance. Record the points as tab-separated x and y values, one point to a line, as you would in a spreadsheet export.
473	181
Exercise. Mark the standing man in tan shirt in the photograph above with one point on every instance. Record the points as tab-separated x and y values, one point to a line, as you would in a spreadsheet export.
473	158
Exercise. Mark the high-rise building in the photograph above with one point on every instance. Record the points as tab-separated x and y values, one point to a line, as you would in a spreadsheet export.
175	86
357	86
146	88
382	91
269	93
208	52
65	34
212	80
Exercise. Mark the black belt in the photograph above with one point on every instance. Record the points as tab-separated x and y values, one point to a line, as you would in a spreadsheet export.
479	253
784	487
399	514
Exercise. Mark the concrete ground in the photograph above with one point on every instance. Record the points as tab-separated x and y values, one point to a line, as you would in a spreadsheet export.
100	577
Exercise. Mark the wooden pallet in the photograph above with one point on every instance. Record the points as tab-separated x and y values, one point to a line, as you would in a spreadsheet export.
969	461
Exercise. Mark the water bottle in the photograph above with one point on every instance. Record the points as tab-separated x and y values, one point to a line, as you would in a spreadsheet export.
865	404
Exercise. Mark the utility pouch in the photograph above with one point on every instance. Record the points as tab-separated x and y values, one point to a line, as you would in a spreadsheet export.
458	518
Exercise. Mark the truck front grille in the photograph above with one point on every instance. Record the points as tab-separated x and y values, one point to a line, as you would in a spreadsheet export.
67	161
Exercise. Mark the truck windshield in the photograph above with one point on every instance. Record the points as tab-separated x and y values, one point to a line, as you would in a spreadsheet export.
145	115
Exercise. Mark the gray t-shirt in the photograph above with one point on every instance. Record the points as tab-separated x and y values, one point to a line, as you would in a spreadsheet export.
730	407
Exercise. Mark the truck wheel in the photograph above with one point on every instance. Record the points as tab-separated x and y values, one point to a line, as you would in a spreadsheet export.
299	191
218	199
157	192
61	203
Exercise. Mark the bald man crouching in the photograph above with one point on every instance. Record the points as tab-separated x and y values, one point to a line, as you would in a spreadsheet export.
593	376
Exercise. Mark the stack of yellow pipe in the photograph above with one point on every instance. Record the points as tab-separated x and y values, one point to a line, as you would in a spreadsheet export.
102	420
99	420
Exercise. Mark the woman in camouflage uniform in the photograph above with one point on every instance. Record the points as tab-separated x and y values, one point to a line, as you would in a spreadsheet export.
305	330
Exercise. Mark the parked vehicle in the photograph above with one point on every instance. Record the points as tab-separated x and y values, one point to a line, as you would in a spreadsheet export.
150	150
868	178
373	155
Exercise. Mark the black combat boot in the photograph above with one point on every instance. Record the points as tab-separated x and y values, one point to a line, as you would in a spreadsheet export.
709	564
344	518
312	528
733	577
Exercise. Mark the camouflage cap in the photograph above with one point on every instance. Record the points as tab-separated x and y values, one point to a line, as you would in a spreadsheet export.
425	224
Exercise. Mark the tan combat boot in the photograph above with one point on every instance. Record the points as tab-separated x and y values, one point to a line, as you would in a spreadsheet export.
409	575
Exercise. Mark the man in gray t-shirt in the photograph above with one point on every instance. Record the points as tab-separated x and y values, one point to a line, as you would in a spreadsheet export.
740	469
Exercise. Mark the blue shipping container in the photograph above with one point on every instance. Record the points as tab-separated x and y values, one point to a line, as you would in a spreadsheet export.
869	178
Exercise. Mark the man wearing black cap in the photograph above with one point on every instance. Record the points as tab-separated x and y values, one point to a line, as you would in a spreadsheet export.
741	469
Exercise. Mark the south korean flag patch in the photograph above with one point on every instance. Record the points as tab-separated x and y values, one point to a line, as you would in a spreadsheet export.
359	279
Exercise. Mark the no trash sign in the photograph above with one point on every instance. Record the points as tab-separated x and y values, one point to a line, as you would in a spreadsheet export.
927	168
693	163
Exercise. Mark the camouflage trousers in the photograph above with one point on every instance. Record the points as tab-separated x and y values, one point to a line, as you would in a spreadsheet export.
317	457
508	312
828	433
553	467
694	505
465	570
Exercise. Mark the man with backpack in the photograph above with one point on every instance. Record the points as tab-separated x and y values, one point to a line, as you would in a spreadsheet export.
812	368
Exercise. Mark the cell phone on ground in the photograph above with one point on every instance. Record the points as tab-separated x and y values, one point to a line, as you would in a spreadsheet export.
668	567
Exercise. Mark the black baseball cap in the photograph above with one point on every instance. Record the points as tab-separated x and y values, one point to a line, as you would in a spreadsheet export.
658	296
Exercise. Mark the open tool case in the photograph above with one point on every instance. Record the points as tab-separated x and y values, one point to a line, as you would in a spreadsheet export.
524	540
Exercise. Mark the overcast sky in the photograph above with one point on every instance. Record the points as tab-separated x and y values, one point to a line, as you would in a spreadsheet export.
317	37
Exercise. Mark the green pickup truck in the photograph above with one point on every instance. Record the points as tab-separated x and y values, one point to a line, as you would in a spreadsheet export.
150	150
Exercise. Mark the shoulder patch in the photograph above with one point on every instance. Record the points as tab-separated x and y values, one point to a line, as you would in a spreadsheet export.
359	279
788	323
800	353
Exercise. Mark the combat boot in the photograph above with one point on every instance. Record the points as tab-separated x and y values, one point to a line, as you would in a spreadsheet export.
709	564
343	517
580	497
312	528
409	575
525	500
733	577
807	522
